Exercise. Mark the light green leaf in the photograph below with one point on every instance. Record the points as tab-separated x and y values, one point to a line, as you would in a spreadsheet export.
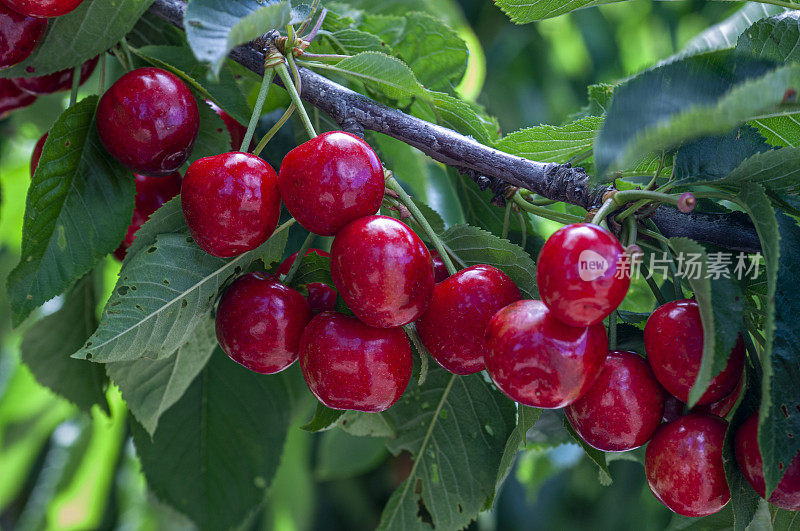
363	424
349	42
724	34
776	38
780	130
553	143
526	11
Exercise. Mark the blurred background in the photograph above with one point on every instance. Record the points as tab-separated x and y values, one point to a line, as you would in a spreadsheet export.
61	469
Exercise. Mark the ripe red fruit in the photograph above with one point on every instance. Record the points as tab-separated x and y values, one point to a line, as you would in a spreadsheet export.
537	360
452	328
43	8
259	323
623	407
231	203
148	120
321	297
439	269
57	81
748	454
36	154
683	464
12	98
235	129
349	365
19	35
673	339
724	405
577	274
151	193
331	180
382	270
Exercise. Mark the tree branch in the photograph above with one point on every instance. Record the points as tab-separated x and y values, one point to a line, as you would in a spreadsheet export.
486	165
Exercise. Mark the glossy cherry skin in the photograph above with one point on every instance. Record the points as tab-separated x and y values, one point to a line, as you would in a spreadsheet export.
331	180
151	193
577	274
439	269
57	81
12	98
453	327
231	203
259	322
43	8
382	270
349	365
236	130
683	464
539	361
724	405
19	35
748	455
623	407
148	120
321	297
673	339
36	154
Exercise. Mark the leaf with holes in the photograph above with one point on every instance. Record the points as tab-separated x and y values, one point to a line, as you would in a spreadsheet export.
78	208
163	292
223	441
456	427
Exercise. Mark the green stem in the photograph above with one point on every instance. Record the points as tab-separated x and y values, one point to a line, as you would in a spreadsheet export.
546	213
632	231
76	82
653	285
325	57
274	130
604	211
523	227
612	331
506	220
127	51
102	83
269	75
676	281
283	72
392	184
300	255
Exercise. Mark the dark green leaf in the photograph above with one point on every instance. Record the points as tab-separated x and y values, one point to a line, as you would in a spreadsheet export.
222	440
78	208
341	455
47	345
213	137
724	34
324	419
775	38
154	30
467	118
712	158
777	170
783	520
526	419
349	41
780	130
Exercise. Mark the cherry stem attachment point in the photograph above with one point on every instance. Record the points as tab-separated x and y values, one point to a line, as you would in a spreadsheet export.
300	255
405	199
269	75
546	213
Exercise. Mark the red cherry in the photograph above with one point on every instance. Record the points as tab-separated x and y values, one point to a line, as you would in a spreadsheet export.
577	274
57	81
683	464
36	154
321	297
453	326
151	193
259	323
148	120
382	270
724	405
349	365
748	455
231	203
19	35
539	361
439	269
331	180
43	8
623	407
12	98
673	339
673	409
235	129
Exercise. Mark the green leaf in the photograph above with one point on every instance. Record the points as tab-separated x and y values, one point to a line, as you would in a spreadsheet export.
724	34
151	29
721	305
553	143
324	419
213	137
72	39
777	170
349	41
526	11
151	387
314	268
456	428
163	292
596	456
698	96
526	419
775	38
476	246
783	520
780	130
214	28
222	441
363	424
713	158
48	343
78	208
467	118
167	219
341	455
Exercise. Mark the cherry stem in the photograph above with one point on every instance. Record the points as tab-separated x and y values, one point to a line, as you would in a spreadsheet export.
274	130
127	52
283	72
546	213
325	57
632	232
411	332
604	211
76	82
101	85
677	285
269	75
653	285
392	184
523	227
506	220
612	331
300	255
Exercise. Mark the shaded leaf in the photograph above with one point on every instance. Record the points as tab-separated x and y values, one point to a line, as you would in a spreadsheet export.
363	424
341	455
713	158
526	419
724	34
324	419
